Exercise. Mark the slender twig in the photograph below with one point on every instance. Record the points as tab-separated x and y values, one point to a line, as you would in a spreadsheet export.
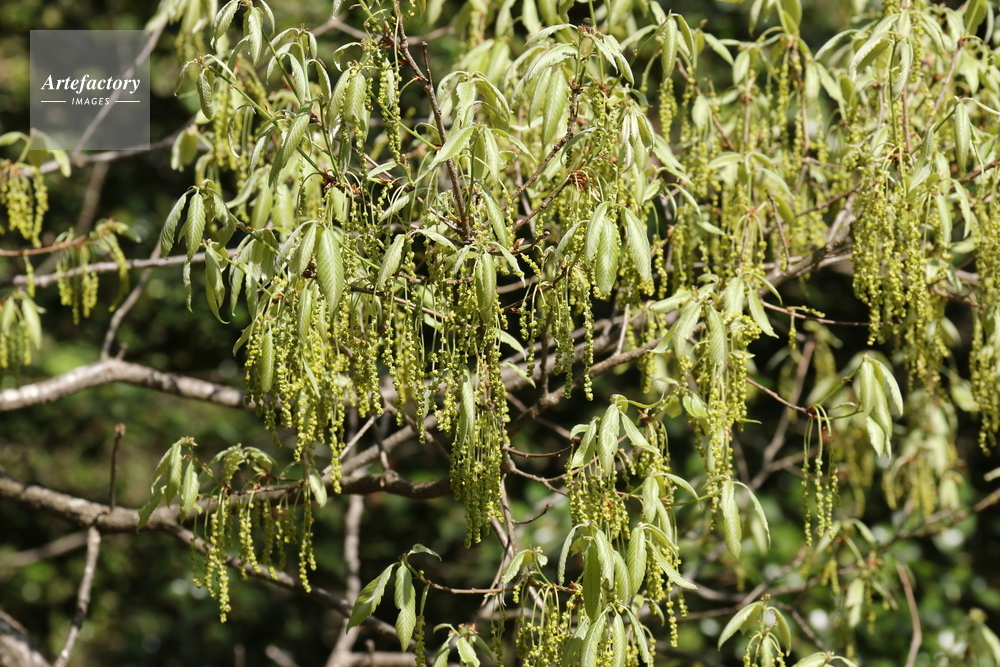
806	629
119	434
778	397
828	203
570	131
82	596
122	311
978	170
279	657
918	635
53	549
790	310
103	113
427	83
545	202
91	198
352	530
947	80
778	441
46	279
538	516
78	241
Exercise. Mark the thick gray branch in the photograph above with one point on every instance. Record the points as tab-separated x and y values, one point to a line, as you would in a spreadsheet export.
16	649
84	513
116	370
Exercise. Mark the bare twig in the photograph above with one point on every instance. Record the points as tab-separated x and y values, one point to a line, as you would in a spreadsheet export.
918	635
111	156
279	657
102	114
778	441
352	528
119	433
133	297
777	397
83	595
91	197
53	549
46	279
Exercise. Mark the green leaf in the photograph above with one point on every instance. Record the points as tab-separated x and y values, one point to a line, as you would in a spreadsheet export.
189	491
406	600
215	287
591	581
685	324
760	513
732	526
870	50
963	135
391	261
638	245
716	340
814	660
672	303
877	436
636	558
593	641
466	653
975	12
33	324
783	631
147	509
668	55
175	461
317	487
739	621
253	30
329	267
370	597
888	381
456	143
264	365
486	288
671	572
514	567
289	144
607	441
619	642
718	47
170	225
223	19
206	94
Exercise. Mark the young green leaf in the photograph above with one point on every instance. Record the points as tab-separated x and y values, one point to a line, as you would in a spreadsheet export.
406	600
607	441
732	525
370	597
329	267
740	621
391	261
638	245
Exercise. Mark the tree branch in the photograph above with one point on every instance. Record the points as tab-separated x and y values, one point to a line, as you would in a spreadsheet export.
83	596
116	370
918	635
46	279
16	649
83	513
